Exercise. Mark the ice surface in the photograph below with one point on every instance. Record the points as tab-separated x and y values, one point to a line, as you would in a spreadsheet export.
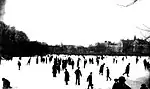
39	76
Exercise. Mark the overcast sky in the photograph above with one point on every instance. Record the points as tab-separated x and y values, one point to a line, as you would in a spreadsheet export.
77	22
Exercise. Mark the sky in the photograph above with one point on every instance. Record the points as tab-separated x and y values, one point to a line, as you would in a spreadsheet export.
78	22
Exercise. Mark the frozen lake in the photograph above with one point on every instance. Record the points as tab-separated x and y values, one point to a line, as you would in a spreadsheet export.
39	76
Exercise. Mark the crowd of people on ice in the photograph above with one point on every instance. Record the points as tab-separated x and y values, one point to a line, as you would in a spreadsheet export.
60	64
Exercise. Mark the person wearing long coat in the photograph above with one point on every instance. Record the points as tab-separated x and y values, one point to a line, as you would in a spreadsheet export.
66	76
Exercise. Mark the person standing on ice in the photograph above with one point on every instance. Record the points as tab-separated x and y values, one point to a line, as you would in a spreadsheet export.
97	61
107	74
19	64
6	83
72	63
137	59
121	84
37	60
78	62
85	61
127	70
89	79
54	70
78	74
28	63
66	76
101	69
114	60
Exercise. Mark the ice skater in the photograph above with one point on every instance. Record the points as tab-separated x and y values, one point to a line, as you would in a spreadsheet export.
66	76
78	74
28	63
107	74
6	83
85	62
101	69
127	70
19	65
89	79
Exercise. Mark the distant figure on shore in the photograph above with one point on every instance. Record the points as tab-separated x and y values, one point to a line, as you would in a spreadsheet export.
143	86
89	79
66	76
101	69
6	83
120	84
19	64
78	74
127	70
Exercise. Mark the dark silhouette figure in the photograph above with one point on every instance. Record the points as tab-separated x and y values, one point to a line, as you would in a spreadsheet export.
19	64
72	64
20	58
97	61
114	60
122	58
50	58
78	61
46	60
37	60
101	69
58	68
85	62
120	84
6	83
127	70
145	64
115	84
143	86
107	74
54	68
92	61
89	79
137	59
28	63
66	76
78	74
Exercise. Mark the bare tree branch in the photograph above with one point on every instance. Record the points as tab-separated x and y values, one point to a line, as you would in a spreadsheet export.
143	29
129	4
146	26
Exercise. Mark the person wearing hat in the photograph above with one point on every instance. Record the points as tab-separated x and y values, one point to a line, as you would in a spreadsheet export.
115	84
89	79
6	83
66	76
143	86
78	74
121	84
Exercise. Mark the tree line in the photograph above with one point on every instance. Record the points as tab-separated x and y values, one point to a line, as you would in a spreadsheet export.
16	43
